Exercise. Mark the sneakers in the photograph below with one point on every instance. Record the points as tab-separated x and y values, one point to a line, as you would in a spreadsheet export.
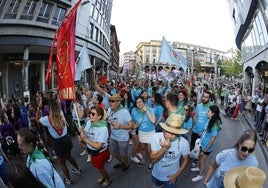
141	164
135	159
197	178
84	153
106	183
194	164
139	155
76	171
196	169
150	167
68	182
88	158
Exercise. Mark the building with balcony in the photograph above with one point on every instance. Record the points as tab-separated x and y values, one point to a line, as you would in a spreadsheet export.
200	59
250	18
27	28
115	50
129	66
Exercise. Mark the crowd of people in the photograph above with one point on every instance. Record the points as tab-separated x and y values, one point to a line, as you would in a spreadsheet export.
161	121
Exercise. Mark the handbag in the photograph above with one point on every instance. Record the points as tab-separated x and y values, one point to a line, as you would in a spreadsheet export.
197	148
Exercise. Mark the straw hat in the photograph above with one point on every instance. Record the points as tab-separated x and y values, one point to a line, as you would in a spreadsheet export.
116	97
174	124
244	177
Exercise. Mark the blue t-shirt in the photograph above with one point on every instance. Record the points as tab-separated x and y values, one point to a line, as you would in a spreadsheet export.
122	116
201	117
188	125
226	161
134	93
158	112
170	163
142	119
205	139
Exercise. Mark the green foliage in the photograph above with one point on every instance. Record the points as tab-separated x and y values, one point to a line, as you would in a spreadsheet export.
232	66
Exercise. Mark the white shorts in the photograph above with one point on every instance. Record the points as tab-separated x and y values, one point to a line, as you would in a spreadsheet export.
146	137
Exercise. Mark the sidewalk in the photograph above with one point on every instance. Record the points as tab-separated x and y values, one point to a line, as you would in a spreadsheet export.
250	120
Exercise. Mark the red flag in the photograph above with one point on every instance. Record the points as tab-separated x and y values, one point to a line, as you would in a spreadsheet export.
65	61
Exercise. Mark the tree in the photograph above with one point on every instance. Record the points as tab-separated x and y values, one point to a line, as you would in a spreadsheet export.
233	66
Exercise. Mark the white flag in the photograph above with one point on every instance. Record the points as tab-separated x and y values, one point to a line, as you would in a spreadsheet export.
82	63
170	56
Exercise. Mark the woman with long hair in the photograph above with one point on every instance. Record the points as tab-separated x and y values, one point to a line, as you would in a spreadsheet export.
188	122
62	144
159	110
95	135
127	101
208	139
136	156
240	155
144	117
37	159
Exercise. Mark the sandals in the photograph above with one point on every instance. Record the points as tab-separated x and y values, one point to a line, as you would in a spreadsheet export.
100	180
106	183
125	167
118	165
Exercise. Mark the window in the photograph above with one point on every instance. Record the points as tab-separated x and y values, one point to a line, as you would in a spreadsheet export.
58	16
96	14
28	10
96	34
13	9
91	10
44	13
91	30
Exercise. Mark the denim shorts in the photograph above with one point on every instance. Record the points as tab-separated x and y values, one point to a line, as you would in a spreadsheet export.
158	184
119	147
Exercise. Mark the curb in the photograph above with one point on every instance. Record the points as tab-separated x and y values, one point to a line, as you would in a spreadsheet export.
264	150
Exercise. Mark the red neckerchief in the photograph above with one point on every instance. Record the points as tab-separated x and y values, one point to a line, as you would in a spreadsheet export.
59	131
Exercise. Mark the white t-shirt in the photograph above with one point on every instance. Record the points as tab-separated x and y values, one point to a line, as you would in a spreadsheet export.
228	160
170	163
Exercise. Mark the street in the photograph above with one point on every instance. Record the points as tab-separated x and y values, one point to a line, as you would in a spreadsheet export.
139	177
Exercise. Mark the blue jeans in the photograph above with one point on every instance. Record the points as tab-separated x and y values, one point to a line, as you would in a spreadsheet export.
157	183
3	173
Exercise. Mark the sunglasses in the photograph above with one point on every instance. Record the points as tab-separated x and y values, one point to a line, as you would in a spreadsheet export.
112	101
93	114
245	149
186	109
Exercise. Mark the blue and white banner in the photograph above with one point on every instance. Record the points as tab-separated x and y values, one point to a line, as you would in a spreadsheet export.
170	56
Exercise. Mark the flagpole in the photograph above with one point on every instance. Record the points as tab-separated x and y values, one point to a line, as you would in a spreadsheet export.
78	121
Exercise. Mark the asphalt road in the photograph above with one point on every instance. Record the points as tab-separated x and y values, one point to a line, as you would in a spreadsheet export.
136	177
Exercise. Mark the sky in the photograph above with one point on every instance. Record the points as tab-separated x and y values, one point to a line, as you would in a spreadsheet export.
201	22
